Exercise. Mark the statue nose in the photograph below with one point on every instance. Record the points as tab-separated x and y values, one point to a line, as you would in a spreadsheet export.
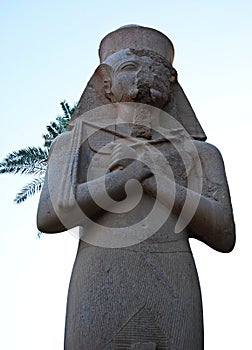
144	85
143	92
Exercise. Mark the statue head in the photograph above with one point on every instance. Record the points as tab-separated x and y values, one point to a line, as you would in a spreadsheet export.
136	65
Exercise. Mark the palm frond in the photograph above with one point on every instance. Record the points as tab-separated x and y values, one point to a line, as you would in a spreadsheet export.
29	190
33	160
59	126
30	160
52	130
68	112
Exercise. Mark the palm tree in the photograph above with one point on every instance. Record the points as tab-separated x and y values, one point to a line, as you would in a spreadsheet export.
33	160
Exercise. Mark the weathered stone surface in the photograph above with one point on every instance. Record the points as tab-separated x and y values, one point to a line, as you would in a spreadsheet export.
134	283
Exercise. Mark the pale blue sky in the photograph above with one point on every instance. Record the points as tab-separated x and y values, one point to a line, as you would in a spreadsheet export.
48	53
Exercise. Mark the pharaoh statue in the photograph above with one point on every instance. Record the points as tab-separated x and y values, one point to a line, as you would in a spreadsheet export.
134	177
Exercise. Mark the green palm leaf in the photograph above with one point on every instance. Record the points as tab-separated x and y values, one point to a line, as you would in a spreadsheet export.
68	112
30	160
56	128
29	189
33	160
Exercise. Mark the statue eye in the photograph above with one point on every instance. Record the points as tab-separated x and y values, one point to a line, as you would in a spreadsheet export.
129	66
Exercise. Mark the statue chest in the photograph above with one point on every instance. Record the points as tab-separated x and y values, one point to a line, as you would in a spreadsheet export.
166	158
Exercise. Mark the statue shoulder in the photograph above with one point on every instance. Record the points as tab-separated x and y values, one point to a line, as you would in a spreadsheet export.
208	152
60	142
212	164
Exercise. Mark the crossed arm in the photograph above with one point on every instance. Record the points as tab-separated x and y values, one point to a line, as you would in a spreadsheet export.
53	218
211	223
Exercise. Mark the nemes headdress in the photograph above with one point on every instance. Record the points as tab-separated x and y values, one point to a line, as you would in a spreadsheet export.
140	38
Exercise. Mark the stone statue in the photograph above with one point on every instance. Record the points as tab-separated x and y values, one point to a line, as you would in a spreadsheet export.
134	174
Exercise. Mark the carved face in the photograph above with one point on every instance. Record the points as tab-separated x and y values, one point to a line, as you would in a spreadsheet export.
135	76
